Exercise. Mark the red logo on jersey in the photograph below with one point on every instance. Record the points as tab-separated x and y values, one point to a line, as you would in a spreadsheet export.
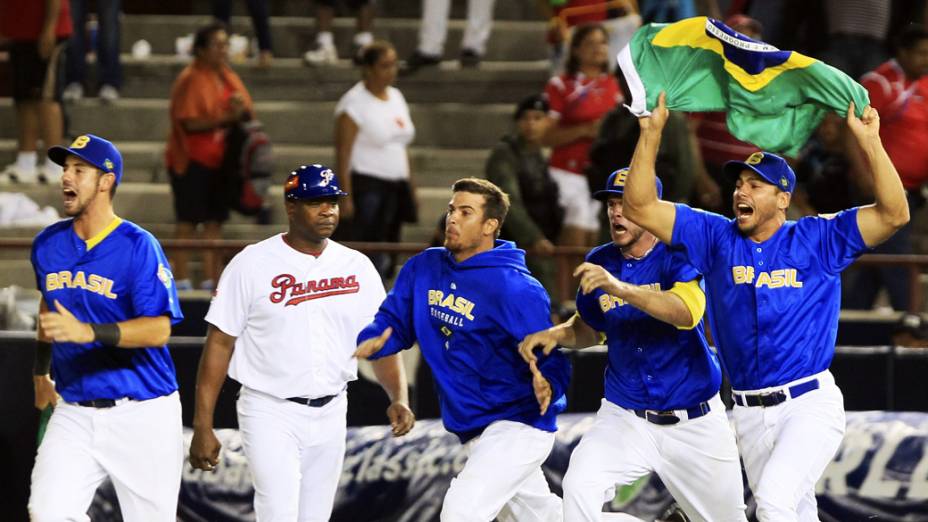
295	293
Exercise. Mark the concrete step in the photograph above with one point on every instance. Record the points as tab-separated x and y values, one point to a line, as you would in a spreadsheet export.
451	125
289	79
386	9
432	167
292	36
152	203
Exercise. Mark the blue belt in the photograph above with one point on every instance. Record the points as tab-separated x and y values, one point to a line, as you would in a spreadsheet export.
99	403
313	403
670	417
774	398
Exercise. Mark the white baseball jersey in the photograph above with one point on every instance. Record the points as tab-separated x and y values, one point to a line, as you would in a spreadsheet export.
296	316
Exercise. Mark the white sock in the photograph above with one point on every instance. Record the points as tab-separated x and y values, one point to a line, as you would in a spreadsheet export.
364	38
325	39
25	161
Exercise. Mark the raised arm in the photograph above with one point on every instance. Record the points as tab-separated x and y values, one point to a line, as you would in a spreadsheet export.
640	203
890	211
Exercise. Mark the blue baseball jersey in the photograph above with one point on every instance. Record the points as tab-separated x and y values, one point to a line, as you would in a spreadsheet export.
122	275
469	318
652	364
773	306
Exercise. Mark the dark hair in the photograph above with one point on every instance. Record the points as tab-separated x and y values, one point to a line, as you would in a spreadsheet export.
534	102
372	52
580	33
495	201
202	36
910	36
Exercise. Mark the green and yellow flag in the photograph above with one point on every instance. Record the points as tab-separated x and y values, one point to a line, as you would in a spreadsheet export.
774	99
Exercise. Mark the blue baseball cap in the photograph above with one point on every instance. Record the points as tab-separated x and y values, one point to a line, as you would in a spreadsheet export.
94	150
772	168
615	185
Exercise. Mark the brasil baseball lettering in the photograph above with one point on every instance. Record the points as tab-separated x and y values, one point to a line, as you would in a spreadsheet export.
608	302
783	278
92	283
459	305
295	293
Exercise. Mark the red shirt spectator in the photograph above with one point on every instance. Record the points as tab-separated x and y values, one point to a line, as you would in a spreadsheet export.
30	14
579	99
903	106
716	143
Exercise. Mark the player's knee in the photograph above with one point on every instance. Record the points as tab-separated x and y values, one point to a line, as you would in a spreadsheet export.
463	503
577	483
774	506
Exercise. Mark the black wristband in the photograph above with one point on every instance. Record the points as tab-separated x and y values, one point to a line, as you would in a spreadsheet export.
106	333
43	358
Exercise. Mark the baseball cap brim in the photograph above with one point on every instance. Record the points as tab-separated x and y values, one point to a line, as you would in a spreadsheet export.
59	154
733	169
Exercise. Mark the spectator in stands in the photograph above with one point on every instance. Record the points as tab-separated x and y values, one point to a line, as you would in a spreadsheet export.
619	17
372	131
857	32
823	172
37	45
518	166
715	146
106	41
207	98
579	99
222	11
434	28
899	91
325	53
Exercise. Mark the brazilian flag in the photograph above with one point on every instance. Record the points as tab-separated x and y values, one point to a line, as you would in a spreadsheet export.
774	99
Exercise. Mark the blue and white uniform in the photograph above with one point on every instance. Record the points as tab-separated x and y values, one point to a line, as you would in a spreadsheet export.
468	319
773	308
121	415
662	412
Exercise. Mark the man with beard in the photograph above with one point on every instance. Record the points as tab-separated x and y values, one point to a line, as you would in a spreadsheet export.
468	304
283	323
108	302
662	412
774	291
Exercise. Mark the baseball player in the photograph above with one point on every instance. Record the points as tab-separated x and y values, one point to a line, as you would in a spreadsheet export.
468	304
108	302
774	296
283	323
662	412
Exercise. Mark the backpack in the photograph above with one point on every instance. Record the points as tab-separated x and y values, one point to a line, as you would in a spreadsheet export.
248	166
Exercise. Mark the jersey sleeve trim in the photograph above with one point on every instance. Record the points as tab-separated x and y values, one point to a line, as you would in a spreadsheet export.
694	299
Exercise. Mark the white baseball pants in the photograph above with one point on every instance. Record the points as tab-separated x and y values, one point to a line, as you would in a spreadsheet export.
434	26
503	477
139	445
295	453
787	447
696	459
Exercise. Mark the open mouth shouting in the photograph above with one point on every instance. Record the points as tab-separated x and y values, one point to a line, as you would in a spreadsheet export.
70	196
743	211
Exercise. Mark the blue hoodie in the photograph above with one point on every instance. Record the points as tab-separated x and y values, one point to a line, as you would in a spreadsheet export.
469	318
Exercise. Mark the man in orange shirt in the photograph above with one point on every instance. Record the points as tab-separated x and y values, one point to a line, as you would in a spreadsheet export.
899	91
38	35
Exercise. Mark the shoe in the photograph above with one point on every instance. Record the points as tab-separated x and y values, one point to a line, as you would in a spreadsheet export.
12	175
50	173
418	60
356	54
108	94
183	285
73	92
321	56
469	58
674	514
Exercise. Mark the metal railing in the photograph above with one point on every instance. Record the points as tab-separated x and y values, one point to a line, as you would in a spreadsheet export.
564	256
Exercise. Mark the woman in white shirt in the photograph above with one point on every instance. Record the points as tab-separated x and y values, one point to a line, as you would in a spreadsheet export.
372	132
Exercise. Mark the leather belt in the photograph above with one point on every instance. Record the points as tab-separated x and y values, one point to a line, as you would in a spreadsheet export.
774	398
313	403
671	417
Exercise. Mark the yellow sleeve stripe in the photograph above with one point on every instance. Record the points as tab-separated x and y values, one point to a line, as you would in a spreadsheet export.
95	240
694	299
